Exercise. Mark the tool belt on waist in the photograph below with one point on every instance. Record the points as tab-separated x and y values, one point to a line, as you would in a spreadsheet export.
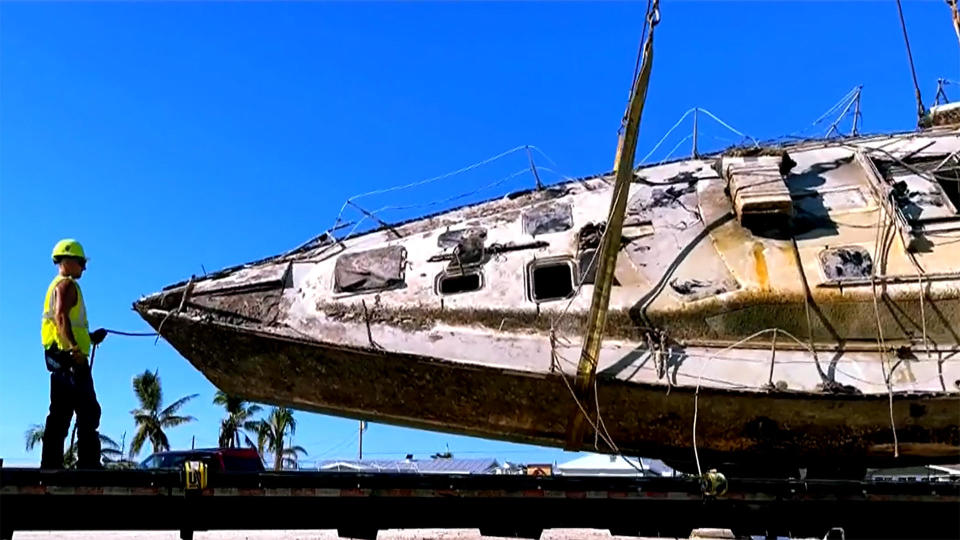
58	360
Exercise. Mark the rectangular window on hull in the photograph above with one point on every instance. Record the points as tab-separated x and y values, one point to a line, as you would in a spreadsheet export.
550	218
459	283
551	279
926	190
373	270
851	262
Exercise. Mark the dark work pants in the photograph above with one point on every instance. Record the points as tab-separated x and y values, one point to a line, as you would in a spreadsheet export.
71	391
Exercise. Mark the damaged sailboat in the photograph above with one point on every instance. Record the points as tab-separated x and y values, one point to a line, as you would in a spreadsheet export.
793	304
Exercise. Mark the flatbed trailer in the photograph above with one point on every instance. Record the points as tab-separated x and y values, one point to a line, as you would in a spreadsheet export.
360	505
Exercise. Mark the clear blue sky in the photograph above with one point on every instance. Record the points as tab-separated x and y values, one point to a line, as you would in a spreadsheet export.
170	136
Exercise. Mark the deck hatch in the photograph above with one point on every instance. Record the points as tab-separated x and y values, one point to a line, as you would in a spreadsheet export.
551	279
372	270
757	187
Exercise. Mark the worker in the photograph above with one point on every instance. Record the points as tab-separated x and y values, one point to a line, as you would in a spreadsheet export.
66	348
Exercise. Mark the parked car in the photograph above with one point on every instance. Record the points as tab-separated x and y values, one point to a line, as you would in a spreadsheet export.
217	459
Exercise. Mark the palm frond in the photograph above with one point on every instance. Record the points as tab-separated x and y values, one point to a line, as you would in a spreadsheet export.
33	436
220	398
146	386
172	409
140	437
247	441
263	435
282	419
295	451
70	457
108	444
174	421
160	441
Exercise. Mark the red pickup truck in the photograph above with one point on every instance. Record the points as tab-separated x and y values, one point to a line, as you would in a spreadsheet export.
217	459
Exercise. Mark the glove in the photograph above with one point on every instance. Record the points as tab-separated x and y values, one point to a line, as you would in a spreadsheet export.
78	357
98	335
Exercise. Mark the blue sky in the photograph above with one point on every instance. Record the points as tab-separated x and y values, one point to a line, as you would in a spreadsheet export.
170	137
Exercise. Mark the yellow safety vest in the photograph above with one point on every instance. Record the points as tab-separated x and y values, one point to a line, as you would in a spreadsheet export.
78	319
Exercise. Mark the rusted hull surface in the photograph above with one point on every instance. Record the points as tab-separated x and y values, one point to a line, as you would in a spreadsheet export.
417	391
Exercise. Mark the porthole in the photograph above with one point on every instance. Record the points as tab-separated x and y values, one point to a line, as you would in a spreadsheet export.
457	283
551	279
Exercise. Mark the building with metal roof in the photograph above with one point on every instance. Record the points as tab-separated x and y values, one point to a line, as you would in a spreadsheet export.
415	466
612	465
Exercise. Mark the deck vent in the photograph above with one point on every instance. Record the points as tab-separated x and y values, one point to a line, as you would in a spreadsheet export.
551	279
757	188
459	283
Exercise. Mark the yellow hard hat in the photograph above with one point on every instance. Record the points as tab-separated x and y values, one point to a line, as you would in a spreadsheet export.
68	247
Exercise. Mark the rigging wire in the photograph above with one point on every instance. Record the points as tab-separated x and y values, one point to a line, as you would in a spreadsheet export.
683	117
355	226
921	111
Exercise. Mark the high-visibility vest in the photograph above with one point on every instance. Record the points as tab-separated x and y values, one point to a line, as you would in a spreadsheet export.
78	319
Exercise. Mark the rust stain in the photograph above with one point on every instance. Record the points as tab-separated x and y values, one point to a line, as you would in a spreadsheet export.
760	264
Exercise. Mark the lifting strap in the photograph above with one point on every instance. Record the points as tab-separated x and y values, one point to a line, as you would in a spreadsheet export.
610	245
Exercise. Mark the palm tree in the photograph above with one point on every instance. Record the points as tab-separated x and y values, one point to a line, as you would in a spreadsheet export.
33	436
239	419
271	435
114	458
151	418
109	449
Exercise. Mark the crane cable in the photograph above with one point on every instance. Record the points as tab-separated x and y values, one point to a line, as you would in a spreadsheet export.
921	111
